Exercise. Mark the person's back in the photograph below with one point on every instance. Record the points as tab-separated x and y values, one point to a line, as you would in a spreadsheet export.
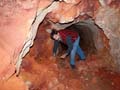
68	33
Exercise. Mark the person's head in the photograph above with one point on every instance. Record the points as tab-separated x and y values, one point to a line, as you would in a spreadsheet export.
54	35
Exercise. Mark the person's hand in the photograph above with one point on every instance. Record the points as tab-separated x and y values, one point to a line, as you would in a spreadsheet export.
63	56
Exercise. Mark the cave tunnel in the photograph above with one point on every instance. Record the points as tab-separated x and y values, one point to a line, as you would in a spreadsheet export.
86	37
41	70
26	58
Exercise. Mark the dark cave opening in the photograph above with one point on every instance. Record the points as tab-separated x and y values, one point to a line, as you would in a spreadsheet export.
91	40
86	38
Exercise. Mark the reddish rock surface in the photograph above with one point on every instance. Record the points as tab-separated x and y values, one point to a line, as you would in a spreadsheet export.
45	72
14	26
13	83
67	12
17	17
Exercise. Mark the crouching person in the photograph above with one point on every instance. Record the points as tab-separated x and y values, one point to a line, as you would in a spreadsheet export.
71	39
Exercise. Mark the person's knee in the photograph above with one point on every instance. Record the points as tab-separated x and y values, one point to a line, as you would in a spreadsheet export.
72	52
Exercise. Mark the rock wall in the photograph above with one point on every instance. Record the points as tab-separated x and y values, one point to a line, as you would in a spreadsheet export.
16	19
109	20
20	20
17	31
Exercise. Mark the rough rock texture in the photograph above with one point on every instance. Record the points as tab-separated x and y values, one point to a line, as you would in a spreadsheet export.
42	71
109	20
67	12
16	19
32	33
92	30
21	18
15	32
14	83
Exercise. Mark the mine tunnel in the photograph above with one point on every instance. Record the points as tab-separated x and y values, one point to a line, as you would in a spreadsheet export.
26	49
40	68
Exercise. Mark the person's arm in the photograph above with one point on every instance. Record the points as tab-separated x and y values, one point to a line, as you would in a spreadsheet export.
55	47
70	46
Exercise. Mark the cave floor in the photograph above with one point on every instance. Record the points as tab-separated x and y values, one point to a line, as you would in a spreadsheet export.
95	73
